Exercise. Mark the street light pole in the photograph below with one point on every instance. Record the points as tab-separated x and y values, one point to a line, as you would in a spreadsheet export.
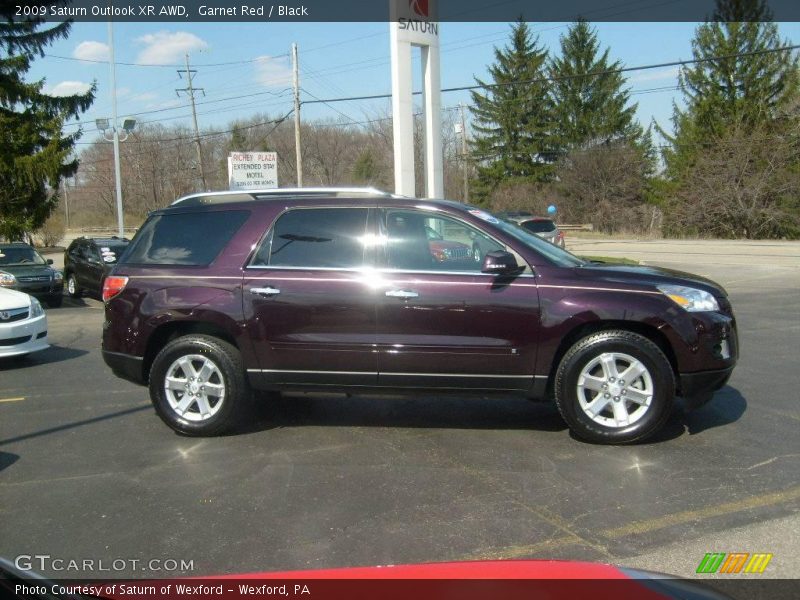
117	170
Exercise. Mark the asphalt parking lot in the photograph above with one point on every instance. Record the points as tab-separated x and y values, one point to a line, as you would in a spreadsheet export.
87	470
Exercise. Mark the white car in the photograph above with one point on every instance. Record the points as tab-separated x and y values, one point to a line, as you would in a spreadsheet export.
23	324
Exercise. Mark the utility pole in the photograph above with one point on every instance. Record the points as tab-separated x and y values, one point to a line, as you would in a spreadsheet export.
66	203
464	151
117	168
296	84
190	90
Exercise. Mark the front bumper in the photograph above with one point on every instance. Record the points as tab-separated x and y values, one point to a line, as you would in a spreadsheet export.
703	382
41	289
23	337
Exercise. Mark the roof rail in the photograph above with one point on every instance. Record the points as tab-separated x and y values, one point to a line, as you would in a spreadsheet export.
304	191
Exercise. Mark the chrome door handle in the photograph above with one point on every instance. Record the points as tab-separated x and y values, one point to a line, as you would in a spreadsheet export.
402	294
265	291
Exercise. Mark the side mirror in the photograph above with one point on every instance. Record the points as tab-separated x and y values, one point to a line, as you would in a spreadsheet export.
500	262
49	261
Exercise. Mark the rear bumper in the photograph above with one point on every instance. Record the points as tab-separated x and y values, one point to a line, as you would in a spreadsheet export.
703	382
125	366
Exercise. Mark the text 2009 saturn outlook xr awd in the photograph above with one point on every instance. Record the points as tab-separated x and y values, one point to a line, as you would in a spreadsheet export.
355	290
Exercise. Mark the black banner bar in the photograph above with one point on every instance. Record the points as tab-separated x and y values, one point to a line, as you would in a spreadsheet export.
302	11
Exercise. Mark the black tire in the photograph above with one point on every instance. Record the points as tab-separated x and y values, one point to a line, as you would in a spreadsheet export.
55	301
237	396
617	341
73	289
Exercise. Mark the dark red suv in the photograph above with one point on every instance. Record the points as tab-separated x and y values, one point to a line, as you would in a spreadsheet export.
343	290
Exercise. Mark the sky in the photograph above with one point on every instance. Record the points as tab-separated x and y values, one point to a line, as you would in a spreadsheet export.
245	69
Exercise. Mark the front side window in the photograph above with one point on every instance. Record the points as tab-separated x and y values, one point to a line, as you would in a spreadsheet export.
421	241
321	238
184	238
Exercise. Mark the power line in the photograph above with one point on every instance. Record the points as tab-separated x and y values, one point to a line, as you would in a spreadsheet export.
161	66
190	138
180	106
663	65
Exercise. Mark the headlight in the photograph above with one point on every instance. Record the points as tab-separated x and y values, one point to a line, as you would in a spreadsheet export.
58	276
690	299
36	308
7	279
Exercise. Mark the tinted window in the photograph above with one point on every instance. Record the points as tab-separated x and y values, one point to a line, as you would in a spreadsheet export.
316	238
422	241
92	253
184	238
539	226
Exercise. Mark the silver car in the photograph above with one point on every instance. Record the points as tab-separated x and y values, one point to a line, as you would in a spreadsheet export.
23	324
542	226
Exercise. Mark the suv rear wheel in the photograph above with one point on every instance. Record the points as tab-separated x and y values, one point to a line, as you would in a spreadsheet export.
198	385
614	387
73	289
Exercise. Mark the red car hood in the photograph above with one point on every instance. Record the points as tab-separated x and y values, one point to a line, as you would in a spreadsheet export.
490	569
445	244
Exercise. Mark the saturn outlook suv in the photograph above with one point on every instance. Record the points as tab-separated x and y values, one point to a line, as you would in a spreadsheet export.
222	294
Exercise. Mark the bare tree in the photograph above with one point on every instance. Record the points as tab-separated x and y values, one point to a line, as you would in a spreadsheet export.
606	185
744	184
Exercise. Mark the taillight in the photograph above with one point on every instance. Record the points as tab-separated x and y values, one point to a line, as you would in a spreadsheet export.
112	286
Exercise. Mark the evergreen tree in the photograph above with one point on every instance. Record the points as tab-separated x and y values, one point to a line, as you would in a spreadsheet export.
365	169
589	109
35	153
238	141
746	89
513	117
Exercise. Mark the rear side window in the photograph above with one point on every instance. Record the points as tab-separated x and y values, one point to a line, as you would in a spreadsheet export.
330	238
110	253
184	238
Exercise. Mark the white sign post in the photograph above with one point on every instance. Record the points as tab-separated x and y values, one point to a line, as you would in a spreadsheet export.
252	170
412	25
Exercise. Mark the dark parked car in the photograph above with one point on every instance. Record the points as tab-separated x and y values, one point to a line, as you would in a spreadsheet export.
512	214
224	293
22	268
543	227
87	262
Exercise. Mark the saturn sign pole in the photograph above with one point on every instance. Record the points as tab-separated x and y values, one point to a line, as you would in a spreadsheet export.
413	24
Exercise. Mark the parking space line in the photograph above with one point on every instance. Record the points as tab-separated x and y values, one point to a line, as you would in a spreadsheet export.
641	527
712	510
12	399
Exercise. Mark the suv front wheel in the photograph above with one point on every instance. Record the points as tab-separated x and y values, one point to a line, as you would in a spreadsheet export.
198	385
614	387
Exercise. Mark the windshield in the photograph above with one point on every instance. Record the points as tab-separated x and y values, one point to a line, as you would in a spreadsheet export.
20	256
551	252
